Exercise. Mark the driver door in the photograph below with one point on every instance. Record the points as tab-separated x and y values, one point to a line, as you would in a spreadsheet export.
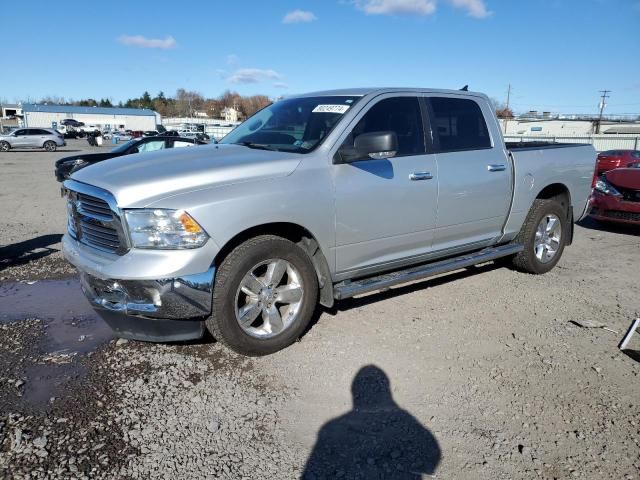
21	138
386	208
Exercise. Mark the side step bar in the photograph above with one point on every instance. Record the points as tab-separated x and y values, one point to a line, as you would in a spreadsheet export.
349	289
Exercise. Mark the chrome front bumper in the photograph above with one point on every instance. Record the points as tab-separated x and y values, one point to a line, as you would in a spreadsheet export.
166	310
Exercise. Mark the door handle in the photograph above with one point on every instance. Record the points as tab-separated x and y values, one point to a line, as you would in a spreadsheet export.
420	176
496	168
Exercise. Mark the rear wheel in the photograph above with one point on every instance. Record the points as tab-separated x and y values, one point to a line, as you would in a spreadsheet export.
50	146
5	147
543	236
265	293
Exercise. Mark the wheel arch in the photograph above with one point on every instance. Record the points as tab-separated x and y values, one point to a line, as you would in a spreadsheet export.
296	234
561	193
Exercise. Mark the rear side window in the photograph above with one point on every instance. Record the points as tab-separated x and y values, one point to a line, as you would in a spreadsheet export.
458	124
636	154
182	143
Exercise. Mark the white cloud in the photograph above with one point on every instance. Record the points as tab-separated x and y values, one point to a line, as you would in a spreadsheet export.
143	42
474	8
397	7
299	16
253	75
280	85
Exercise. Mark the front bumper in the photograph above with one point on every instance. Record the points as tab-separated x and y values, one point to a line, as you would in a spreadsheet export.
166	310
608	208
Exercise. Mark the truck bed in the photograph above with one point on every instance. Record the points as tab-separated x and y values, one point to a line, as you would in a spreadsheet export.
538	145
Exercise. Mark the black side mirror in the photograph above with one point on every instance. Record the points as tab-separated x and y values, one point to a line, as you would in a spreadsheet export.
377	145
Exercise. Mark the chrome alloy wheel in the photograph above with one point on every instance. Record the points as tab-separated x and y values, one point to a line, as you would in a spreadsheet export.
548	235
269	298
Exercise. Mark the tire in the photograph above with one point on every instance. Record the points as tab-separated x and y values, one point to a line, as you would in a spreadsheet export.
50	146
533	258
5	146
234	295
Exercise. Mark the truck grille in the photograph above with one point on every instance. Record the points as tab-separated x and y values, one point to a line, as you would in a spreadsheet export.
91	221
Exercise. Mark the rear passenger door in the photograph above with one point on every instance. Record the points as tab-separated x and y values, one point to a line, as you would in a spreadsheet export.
474	174
385	208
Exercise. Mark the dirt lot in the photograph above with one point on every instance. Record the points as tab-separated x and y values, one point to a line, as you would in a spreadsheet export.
477	374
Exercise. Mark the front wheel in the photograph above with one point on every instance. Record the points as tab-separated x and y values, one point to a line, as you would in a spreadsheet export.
264	296
5	147
543	236
50	146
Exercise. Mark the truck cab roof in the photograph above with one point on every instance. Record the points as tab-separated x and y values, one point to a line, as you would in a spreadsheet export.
361	92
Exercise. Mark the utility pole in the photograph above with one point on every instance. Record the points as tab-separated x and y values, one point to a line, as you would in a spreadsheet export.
506	118
605	95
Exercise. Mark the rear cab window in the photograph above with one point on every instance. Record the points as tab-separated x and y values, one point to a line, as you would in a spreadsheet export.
458	124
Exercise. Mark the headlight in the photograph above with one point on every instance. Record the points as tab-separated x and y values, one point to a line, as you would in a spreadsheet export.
605	187
164	229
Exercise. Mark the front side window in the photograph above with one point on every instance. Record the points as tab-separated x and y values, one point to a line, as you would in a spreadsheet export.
400	115
151	146
297	125
20	133
458	124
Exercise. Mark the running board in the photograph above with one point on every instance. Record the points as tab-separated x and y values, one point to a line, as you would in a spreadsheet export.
349	288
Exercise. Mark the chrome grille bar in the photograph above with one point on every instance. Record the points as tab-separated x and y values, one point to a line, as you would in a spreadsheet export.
94	218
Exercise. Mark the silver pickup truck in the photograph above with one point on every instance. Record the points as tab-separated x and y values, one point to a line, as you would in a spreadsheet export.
314	199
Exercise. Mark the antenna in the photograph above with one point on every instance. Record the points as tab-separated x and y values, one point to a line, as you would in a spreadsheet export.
465	88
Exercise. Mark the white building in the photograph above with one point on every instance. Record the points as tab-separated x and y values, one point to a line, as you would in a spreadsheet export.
230	114
50	116
563	127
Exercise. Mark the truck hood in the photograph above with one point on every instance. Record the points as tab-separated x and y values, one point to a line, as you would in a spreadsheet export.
140	179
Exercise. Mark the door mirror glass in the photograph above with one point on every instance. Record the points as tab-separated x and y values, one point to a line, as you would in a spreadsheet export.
376	145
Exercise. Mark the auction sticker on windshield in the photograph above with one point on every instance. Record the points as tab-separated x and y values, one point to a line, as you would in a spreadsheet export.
331	109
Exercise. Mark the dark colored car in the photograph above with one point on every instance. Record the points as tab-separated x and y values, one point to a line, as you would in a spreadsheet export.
70	122
616	159
68	165
616	196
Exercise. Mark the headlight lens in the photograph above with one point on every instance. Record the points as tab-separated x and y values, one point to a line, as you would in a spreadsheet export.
605	187
164	229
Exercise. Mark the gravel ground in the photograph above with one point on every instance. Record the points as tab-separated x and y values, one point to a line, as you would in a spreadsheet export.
477	374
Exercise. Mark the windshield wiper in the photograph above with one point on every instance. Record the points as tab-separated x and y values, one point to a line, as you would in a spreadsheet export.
259	146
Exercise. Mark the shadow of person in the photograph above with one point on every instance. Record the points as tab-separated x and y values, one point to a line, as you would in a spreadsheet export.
24	252
375	440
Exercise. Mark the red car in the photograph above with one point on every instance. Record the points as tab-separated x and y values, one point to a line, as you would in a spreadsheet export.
616	196
616	159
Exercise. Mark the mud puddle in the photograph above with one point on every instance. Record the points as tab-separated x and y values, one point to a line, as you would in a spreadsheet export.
69	330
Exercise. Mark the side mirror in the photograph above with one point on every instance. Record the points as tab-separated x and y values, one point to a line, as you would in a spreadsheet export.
134	150
376	145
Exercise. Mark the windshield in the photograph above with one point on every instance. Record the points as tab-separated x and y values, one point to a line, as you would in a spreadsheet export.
296	125
125	146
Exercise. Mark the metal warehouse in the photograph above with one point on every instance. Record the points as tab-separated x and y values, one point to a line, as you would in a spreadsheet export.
50	116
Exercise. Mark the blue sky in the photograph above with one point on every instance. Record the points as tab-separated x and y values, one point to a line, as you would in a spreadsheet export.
557	54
